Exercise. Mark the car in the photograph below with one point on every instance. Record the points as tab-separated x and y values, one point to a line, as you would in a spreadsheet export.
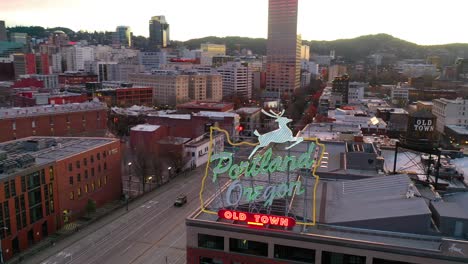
180	200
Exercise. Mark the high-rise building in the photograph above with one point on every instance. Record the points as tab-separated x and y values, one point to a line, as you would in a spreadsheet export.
283	48
3	35
340	88
237	79
122	36
158	32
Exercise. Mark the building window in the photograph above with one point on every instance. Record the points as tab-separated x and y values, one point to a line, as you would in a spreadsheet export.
92	186
294	254
6	188
105	166
332	258
248	247
92	172
78	177
99	168
85	161
384	261
99	183
92	159
78	192
78	165
70	167
13	125
13	187
86	174
104	154
212	242
86	188
105	179
71	180
33	123
72	196
98	156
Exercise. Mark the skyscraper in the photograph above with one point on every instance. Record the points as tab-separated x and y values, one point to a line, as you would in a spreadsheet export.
122	36
283	48
159	32
3	35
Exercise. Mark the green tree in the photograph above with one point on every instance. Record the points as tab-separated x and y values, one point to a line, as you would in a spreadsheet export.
90	207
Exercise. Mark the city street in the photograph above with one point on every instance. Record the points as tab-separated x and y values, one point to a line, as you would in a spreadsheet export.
153	231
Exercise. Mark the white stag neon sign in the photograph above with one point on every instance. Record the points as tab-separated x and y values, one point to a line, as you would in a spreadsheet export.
281	135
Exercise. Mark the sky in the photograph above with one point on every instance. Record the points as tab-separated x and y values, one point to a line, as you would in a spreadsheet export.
425	22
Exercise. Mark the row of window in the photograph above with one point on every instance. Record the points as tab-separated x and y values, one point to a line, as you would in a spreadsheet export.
85	161
78	176
87	189
51	121
282	252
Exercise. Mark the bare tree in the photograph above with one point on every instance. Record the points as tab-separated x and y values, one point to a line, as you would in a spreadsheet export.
176	160
156	169
141	164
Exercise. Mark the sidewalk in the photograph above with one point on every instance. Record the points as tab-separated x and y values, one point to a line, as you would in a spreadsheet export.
67	231
68	235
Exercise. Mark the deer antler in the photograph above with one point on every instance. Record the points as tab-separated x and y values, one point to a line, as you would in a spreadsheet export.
276	115
270	115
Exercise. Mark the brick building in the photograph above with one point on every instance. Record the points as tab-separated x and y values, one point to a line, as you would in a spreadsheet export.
197	106
46	182
58	120
126	96
198	123
77	78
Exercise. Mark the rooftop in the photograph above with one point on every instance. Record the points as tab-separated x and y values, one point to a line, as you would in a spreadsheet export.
248	110
145	128
461	130
21	154
216	114
220	106
16	112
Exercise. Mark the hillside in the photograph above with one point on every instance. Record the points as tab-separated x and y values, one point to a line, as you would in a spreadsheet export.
351	50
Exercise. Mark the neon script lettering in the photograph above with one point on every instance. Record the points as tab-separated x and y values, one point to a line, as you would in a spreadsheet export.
261	164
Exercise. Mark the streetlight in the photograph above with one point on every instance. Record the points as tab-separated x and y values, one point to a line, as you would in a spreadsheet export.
127	196
169	169
1	249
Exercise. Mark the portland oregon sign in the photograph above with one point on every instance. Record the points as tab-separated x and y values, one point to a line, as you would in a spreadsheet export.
268	179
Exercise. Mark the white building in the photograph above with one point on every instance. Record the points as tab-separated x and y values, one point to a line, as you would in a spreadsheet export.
237	79
399	93
152	60
356	92
450	112
418	70
50	80
76	56
56	63
305	52
197	149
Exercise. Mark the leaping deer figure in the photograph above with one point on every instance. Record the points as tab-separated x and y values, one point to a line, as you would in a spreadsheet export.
281	135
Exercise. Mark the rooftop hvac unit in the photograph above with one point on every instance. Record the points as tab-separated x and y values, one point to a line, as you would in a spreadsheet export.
3	155
8	166
25	160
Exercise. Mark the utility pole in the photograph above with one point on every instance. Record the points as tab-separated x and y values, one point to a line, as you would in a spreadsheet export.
127	196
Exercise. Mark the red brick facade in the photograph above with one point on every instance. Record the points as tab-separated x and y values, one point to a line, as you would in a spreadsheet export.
50	191
92	122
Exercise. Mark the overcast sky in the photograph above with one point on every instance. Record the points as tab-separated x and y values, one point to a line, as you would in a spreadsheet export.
419	21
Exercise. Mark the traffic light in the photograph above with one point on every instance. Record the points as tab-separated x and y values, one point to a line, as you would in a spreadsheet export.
240	128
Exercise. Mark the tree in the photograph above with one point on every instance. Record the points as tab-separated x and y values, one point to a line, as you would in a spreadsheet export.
141	164
90	207
176	160
156	169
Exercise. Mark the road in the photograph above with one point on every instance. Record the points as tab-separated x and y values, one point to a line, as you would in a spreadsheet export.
150	232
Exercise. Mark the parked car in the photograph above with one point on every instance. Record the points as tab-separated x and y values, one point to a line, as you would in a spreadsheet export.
180	200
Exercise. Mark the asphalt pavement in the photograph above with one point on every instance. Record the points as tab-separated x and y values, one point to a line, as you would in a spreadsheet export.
152	231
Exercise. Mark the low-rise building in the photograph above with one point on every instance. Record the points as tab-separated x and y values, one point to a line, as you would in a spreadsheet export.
250	120
197	106
450	112
48	181
88	118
